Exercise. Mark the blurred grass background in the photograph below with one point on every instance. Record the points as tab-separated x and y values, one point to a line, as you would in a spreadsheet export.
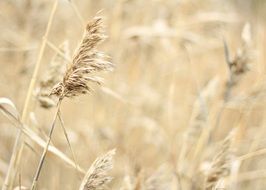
165	52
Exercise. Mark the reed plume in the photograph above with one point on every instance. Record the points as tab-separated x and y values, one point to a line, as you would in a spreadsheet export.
86	63
97	177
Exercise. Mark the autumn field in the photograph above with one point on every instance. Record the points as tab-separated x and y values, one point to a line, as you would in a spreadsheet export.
133	94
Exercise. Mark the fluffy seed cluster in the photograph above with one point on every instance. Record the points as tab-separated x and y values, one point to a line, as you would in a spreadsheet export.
87	62
96	177
52	76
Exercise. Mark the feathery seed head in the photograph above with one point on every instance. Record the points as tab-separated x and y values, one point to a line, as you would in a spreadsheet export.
87	62
96	177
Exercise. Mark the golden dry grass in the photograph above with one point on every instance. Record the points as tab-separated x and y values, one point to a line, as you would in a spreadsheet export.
165	108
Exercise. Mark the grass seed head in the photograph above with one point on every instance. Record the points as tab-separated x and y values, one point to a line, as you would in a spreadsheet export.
87	62
97	177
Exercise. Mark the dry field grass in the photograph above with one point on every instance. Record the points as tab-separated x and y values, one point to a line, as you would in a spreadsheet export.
183	108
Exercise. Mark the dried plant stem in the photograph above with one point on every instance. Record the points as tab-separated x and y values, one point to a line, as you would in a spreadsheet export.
38	171
39	141
218	120
226	94
252	154
18	147
68	142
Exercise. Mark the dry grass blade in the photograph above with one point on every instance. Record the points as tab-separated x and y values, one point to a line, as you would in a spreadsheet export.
9	108
86	63
193	141
21	188
42	160
97	177
19	146
67	139
10	111
200	111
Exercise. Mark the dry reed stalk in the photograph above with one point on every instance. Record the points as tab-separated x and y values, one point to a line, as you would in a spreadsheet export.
68	141
97	176
11	112
38	171
198	122
87	62
221	164
199	116
238	66
19	145
21	188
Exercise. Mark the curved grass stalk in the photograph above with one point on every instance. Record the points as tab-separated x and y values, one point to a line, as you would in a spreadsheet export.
19	144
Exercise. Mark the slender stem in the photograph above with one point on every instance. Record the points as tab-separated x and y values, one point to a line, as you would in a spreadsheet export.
39	141
227	93
38	171
68	142
18	147
220	113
